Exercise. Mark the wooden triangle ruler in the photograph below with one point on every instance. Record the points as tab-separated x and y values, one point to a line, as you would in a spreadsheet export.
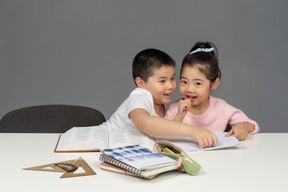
79	163
50	167
65	166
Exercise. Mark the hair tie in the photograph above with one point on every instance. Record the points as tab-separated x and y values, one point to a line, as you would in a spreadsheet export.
202	50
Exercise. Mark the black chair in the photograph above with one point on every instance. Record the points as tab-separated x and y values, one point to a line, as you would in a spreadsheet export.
228	128
49	119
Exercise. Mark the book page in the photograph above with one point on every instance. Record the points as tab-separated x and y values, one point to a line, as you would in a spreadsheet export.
120	138
188	144
83	139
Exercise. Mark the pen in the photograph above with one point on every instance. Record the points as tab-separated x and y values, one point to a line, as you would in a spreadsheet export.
185	108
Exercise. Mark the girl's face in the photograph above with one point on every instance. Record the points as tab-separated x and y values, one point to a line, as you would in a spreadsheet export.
195	85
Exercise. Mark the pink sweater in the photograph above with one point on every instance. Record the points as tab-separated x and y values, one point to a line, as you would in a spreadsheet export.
216	118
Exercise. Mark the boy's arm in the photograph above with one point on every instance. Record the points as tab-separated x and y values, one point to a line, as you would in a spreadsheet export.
154	125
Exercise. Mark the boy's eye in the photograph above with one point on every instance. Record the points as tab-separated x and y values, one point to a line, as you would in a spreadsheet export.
162	81
197	83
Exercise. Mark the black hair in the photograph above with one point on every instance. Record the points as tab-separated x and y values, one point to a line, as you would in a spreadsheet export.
149	59
207	61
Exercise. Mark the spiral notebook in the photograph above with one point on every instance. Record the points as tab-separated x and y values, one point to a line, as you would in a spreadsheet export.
112	168
138	160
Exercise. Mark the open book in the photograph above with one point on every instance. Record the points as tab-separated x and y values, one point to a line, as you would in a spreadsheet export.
97	138
137	160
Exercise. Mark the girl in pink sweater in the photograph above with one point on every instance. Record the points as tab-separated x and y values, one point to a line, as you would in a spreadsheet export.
200	74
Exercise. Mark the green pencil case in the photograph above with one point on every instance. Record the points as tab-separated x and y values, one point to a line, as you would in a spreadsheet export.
169	149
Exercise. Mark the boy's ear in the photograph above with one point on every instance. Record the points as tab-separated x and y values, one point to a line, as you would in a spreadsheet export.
139	82
215	84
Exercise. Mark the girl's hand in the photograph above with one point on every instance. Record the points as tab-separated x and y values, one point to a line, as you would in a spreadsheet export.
241	130
184	105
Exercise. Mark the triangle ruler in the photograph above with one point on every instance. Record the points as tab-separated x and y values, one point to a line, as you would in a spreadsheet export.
80	163
50	167
68	167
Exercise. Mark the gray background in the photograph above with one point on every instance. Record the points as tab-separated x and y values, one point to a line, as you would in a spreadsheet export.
80	52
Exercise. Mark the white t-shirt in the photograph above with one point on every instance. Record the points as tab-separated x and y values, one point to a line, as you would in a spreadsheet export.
138	98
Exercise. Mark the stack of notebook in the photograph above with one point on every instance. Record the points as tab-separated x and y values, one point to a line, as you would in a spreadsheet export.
137	161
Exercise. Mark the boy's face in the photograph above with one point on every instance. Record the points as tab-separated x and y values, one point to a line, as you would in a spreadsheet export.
161	84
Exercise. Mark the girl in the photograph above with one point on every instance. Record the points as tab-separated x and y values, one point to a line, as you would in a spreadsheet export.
200	74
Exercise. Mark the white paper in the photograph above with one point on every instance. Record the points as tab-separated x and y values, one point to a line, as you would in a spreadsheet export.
188	144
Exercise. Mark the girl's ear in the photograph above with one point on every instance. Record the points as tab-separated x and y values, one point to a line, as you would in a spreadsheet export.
139	82
215	84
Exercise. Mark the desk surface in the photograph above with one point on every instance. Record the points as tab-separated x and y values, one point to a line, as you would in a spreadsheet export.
259	164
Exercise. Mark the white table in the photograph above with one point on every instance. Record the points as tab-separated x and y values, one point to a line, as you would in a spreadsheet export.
259	164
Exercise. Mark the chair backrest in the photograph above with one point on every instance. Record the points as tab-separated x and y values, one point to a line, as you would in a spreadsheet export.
228	128
49	119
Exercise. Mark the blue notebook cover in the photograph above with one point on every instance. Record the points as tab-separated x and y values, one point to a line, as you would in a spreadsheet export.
139	157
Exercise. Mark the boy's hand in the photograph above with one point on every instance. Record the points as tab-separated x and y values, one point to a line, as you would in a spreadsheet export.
205	138
241	130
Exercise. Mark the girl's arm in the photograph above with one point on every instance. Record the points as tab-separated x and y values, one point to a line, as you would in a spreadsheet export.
241	130
154	125
181	111
184	106
241	124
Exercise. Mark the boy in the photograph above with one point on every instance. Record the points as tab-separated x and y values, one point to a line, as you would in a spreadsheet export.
154	75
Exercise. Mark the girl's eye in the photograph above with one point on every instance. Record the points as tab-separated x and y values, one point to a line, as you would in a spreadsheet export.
162	81
184	82
197	83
